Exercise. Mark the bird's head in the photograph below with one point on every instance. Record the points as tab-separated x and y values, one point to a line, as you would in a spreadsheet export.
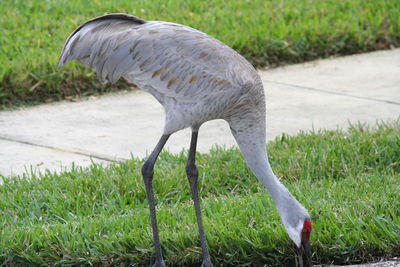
303	252
298	225
300	234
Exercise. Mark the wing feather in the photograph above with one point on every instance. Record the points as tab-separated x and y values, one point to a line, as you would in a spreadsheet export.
175	60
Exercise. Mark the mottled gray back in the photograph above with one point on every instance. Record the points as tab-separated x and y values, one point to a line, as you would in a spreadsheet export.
194	76
174	59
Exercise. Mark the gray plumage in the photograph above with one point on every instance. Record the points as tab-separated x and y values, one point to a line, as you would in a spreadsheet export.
185	69
195	77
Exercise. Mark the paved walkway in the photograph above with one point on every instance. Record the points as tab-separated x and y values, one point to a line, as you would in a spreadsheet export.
321	94
390	263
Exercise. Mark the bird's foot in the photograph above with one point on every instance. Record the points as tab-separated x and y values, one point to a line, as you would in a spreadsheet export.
206	263
159	263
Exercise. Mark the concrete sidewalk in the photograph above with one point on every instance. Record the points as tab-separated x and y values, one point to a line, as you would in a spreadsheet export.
321	94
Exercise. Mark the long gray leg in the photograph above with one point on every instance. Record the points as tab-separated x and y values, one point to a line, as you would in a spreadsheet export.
193	174
147	172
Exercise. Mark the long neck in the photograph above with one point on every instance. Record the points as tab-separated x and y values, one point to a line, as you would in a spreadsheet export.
252	144
251	141
256	157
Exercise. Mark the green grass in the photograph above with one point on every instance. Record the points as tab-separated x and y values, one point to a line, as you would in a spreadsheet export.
350	182
265	32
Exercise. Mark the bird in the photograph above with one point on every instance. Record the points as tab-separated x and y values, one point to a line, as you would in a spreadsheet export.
196	78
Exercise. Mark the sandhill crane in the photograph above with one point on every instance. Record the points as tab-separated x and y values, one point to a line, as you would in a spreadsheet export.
196	78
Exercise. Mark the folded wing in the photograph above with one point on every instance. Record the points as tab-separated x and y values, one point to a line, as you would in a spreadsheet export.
173	59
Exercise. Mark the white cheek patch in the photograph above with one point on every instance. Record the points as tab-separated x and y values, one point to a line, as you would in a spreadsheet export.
295	233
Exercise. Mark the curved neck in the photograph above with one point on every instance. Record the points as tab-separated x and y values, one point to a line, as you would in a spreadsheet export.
292	213
256	158
251	141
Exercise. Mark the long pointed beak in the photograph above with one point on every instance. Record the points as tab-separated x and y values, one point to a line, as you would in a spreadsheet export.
307	254
303	255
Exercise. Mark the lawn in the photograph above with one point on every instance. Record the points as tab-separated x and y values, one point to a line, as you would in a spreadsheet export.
268	33
349	180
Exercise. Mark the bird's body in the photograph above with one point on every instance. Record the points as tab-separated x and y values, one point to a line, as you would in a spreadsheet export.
196	78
